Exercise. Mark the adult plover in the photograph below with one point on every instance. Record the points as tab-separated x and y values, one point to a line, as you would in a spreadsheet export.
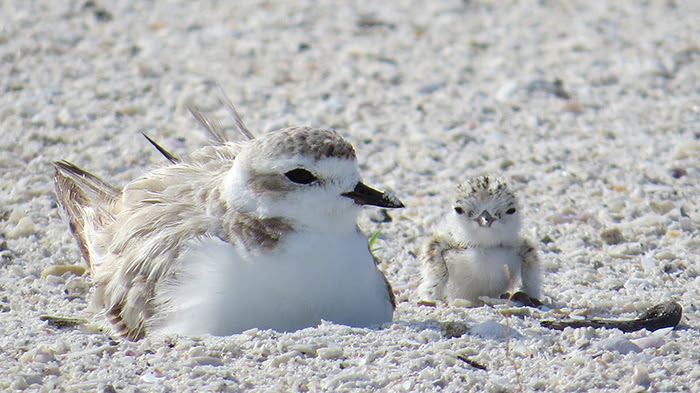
256	234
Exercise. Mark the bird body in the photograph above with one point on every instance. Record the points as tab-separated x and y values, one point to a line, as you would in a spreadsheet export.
257	234
478	250
295	285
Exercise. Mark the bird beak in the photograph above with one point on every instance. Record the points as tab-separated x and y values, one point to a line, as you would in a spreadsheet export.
485	219
364	195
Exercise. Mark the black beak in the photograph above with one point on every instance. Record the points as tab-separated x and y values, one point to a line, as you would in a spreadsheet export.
485	219
364	195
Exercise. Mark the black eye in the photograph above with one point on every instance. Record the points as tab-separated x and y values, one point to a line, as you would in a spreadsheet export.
300	176
510	211
459	210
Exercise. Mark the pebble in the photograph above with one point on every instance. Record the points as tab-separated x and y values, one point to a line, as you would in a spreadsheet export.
454	329
91	351
64	117
206	361
665	255
651	341
619	344
662	207
687	224
233	349
25	226
462	303
45	355
641	376
650	220
648	264
669	348
131	109
430	335
307	349
493	331
617	206
20	383
284	358
197	351
572	107
59	270
625	250
77	285
687	149
149	377
612	236
344	377
54	279
331	352
251	332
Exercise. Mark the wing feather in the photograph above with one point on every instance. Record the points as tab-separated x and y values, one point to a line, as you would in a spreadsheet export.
88	201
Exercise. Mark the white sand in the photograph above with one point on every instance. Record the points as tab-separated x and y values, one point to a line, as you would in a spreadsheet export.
429	93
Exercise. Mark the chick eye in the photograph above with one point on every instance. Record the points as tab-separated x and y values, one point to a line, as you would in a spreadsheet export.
510	211
459	210
300	176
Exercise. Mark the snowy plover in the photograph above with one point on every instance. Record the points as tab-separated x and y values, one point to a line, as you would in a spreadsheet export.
478	251
257	234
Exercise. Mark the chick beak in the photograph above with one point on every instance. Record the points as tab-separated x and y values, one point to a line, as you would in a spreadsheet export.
485	219
364	195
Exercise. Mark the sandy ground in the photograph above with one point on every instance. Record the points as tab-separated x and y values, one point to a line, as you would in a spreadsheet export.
429	93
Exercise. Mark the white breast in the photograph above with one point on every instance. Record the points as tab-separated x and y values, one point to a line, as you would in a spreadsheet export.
307	278
482	271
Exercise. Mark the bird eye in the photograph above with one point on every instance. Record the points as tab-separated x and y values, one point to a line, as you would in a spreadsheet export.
300	176
459	210
510	211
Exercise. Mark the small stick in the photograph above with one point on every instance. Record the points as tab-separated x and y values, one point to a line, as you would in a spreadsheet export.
472	363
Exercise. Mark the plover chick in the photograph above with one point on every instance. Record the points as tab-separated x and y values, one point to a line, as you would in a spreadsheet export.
478	250
256	234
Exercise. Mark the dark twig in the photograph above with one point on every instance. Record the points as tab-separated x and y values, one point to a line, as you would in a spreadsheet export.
472	363
63	322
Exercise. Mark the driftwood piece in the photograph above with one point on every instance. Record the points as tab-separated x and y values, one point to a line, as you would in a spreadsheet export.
667	314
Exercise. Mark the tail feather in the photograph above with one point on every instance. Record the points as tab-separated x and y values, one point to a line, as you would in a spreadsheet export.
170	156
217	132
88	202
242	129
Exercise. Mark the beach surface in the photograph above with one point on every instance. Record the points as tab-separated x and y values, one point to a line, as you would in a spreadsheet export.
590	110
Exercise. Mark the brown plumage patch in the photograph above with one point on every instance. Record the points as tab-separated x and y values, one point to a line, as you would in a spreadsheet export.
484	188
263	183
256	233
317	143
435	251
